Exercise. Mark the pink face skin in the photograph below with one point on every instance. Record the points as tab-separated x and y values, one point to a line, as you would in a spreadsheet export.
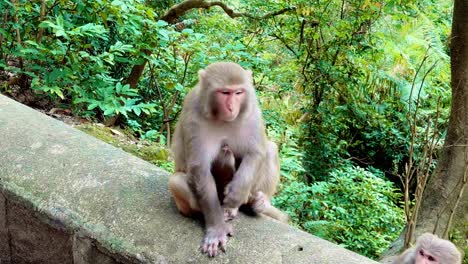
229	100
423	257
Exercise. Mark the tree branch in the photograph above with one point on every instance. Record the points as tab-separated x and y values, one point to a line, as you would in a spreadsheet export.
180	9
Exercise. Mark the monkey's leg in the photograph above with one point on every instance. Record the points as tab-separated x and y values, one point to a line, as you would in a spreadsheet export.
183	196
261	204
268	174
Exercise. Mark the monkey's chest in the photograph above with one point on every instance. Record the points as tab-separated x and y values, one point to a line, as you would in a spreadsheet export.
229	134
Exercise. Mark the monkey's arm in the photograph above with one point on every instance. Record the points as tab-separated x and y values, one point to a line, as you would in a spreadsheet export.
407	257
204	188
217	231
199	159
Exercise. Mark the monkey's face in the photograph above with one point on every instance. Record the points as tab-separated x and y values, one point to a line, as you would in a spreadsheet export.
229	100
227	90
424	257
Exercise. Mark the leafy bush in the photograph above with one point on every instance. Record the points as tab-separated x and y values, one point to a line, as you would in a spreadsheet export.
355	208
77	56
359	131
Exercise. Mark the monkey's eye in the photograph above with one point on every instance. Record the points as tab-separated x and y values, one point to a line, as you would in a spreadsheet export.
430	258
238	92
225	92
421	252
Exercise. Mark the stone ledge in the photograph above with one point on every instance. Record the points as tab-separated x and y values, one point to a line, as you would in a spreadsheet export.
66	197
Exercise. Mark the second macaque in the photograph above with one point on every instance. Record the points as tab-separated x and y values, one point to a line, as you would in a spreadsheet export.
223	158
430	249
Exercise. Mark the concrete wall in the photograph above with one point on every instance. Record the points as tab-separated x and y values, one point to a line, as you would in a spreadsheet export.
66	197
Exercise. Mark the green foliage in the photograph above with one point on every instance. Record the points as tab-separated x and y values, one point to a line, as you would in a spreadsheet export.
354	208
361	130
77	56
357	64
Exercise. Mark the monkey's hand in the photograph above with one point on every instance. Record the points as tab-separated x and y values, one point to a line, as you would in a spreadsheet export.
230	213
234	196
216	239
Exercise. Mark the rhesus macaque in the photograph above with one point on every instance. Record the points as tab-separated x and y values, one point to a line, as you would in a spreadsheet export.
430	249
223	158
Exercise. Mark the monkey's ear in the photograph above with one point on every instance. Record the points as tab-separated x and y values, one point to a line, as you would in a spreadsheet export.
248	72
201	74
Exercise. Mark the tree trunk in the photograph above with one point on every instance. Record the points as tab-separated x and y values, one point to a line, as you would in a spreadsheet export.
445	200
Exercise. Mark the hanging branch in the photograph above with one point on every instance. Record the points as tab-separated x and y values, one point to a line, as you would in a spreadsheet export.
41	18
421	170
3	24
17	30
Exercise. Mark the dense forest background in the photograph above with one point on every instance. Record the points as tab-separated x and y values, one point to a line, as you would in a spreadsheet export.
356	93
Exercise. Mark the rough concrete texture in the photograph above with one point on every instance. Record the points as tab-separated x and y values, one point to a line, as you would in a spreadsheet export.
86	251
33	241
102	205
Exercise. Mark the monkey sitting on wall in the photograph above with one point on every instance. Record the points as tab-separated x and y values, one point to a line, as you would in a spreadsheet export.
430	249
223	158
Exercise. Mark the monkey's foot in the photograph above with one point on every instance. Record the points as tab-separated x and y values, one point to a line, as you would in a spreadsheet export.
260	202
216	238
230	213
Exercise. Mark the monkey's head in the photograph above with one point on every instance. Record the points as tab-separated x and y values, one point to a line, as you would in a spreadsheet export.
226	91
432	250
